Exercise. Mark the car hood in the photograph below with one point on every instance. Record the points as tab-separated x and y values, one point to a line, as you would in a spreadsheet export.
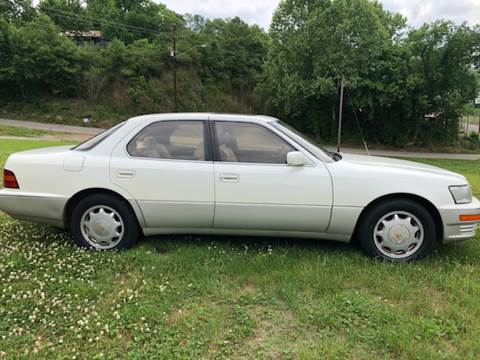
390	163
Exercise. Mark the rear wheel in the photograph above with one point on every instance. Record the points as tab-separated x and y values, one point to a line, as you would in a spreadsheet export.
397	230
103	222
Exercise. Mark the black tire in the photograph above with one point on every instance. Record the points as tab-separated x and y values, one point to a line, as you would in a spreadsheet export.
131	230
368	222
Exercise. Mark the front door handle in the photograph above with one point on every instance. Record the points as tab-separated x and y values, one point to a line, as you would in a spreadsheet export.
229	178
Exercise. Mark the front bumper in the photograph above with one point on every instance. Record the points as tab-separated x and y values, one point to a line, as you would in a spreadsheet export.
40	208
453	228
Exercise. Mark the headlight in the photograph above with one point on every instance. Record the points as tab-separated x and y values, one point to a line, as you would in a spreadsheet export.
462	194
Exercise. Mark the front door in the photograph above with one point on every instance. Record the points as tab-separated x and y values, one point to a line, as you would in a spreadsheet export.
165	168
255	189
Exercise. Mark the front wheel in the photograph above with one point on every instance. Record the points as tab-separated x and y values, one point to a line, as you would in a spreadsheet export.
397	230
103	222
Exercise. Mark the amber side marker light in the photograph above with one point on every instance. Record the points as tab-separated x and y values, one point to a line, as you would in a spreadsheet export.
9	180
470	217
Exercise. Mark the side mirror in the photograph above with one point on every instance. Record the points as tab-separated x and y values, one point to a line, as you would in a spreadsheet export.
296	158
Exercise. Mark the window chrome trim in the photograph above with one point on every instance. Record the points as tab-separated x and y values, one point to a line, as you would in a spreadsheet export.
169	160
261	164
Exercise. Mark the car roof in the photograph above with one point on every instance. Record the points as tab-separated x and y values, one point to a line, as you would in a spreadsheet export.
202	116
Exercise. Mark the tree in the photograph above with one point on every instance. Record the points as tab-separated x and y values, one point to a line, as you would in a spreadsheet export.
132	20
241	51
395	79
442	57
314	44
6	53
69	15
44	60
16	10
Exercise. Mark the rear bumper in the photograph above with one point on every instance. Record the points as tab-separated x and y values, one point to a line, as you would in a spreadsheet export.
40	208
453	228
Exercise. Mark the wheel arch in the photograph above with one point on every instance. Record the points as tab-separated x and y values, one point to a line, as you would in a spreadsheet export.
402	196
70	205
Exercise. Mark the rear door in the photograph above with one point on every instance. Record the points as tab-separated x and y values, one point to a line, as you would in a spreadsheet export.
255	189
166	168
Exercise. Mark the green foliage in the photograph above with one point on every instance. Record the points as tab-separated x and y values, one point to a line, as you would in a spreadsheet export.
394	77
417	80
16	10
472	141
67	14
313	44
42	60
131	20
134	73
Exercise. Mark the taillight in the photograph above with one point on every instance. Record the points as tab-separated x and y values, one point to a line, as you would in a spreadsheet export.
9	180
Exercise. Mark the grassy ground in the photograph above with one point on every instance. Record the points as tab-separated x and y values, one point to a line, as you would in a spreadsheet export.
21	132
16	133
225	297
64	111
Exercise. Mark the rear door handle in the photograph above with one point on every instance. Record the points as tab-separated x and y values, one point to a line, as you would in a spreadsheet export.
125	174
229	178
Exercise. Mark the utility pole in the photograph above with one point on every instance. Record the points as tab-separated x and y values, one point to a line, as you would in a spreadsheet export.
340	114
174	55
174	58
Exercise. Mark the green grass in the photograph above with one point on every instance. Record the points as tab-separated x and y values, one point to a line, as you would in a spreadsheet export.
67	111
21	132
233	297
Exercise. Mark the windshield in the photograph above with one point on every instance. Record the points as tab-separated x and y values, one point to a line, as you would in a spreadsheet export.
304	141
97	139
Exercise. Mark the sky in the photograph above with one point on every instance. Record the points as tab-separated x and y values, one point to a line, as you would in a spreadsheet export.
260	11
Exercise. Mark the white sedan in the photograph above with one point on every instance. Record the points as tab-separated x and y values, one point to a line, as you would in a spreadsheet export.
235	174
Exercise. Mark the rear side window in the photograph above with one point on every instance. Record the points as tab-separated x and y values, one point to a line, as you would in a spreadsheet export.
177	140
91	143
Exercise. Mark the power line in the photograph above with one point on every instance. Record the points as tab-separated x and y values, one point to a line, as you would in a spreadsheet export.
70	15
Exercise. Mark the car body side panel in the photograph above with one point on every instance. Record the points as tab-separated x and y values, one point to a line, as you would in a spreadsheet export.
246	232
357	185
44	174
344	219
46	187
305	206
41	208
170	193
275	197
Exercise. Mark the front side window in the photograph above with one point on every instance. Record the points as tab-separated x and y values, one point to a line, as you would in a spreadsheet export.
178	140
250	143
